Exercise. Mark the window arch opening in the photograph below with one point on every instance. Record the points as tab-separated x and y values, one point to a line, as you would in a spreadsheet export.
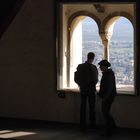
122	54
84	38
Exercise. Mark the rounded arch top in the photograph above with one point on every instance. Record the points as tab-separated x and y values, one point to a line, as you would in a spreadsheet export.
113	17
83	14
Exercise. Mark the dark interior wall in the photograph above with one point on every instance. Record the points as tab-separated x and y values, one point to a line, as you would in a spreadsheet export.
8	10
28	72
27	51
5	8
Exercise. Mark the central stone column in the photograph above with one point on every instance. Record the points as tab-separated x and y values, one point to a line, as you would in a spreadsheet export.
106	40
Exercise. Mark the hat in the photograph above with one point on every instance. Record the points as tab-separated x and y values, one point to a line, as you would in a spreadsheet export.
104	63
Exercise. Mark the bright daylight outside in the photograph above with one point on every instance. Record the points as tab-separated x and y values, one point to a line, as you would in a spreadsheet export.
121	50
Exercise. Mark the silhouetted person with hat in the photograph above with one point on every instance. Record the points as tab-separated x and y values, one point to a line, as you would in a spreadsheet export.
107	93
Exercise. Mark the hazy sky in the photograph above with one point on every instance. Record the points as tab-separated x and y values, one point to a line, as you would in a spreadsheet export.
123	29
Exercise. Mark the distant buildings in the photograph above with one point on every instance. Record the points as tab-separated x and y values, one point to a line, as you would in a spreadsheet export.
121	57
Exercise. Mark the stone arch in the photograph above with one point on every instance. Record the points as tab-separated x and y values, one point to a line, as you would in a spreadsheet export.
73	59
107	28
114	16
82	14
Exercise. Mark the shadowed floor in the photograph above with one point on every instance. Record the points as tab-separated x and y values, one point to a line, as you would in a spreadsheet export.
38	130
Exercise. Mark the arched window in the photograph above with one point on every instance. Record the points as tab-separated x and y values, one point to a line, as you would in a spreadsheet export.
84	38
81	37
79	26
122	54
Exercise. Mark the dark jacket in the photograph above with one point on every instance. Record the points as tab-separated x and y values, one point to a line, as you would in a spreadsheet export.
108	86
91	70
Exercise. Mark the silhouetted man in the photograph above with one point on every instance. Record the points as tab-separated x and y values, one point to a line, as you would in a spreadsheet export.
107	92
87	78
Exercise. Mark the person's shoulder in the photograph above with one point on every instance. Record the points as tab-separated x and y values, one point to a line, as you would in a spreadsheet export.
80	66
111	72
93	66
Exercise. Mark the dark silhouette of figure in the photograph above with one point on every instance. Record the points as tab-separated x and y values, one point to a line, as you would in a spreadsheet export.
107	93
87	80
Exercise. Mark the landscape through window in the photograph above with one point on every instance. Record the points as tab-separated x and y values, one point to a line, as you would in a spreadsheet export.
121	48
104	29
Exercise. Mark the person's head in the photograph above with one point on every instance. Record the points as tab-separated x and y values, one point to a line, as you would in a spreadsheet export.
104	65
90	57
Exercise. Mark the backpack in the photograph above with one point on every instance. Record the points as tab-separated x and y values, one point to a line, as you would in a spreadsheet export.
83	76
76	77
